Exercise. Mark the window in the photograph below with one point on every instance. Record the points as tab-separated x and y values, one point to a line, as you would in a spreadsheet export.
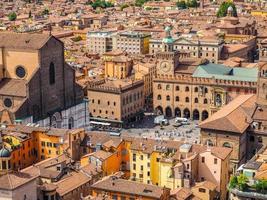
186	88
215	161
20	72
196	89
52	73
167	87
157	159
108	103
43	144
148	164
196	100
7	102
114	103
187	99
159	97
187	166
206	90
159	86
71	123
176	98
202	190
168	98
114	197
177	88
227	145
148	173
205	101
141	168
203	159
141	157
134	157
134	166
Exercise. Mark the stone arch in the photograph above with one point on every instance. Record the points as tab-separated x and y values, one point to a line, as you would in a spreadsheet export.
159	110
177	112
195	114
168	112
186	113
56	120
209	142
70	123
204	115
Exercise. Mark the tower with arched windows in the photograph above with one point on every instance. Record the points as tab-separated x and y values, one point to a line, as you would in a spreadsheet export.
167	59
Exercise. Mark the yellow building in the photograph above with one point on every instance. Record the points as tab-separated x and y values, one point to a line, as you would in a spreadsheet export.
174	164
261	13
117	65
111	156
22	146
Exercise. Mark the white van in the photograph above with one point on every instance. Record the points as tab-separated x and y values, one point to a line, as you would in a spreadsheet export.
180	119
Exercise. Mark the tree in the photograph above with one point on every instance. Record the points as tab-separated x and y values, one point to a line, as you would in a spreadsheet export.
45	11
222	12
181	4
192	4
261	186
242	182
100	4
123	6
12	16
140	3
233	182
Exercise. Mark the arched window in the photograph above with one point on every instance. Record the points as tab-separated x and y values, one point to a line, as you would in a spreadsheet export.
196	100
167	87
177	88
187	99
159	97
52	73
205	101
186	88
206	90
227	144
209	142
196	89
71	123
168	98
159	86
176	98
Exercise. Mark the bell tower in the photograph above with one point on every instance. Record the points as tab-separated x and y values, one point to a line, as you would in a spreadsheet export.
167	58
262	85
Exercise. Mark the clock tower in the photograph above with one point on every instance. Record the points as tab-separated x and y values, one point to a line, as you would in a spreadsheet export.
167	58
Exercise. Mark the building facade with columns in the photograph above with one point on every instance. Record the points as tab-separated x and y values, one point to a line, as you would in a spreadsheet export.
196	92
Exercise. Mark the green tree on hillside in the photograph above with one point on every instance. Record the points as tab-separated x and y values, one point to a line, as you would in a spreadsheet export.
12	16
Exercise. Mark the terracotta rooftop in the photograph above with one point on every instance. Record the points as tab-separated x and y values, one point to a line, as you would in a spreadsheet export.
114	184
23	40
234	117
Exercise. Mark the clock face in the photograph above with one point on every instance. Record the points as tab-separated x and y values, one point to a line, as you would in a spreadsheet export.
165	66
